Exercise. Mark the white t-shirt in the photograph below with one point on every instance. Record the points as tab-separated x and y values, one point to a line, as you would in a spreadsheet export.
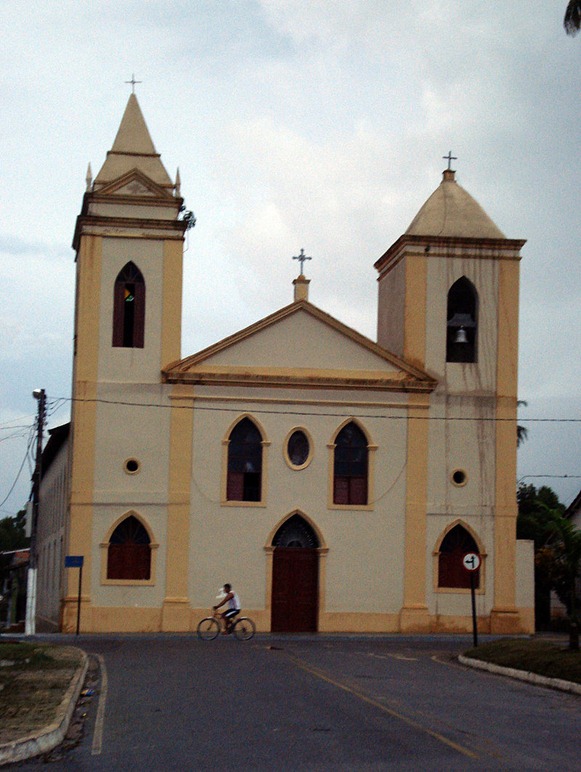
234	603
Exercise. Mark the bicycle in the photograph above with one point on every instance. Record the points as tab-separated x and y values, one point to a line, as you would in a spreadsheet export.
209	628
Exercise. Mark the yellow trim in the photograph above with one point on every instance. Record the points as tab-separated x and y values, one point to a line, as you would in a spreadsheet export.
414	610
178	514
506	380
371	449
311	453
224	500
171	324
287	401
416	277
153	546
84	410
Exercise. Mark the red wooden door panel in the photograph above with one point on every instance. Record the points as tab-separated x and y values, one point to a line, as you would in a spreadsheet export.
295	590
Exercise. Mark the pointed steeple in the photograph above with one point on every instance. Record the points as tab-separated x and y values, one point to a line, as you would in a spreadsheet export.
133	148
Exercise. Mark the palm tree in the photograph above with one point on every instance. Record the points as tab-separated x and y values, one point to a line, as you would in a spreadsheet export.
561	556
572	20
521	431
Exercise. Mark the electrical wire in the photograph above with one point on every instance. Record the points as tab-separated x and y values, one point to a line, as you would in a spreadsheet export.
26	456
404	407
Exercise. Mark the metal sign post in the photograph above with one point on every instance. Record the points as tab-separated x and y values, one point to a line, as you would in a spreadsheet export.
471	562
76	561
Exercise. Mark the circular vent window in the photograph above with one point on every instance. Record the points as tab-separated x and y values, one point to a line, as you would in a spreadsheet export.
298	449
132	466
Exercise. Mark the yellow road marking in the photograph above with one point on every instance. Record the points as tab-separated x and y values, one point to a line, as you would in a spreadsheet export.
393	713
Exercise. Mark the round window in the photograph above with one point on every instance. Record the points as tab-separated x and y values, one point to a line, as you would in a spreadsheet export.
132	466
298	448
459	477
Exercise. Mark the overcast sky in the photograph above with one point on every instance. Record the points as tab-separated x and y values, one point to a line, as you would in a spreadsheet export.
318	124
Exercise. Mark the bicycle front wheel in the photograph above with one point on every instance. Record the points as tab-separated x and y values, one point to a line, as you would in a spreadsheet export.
244	628
208	629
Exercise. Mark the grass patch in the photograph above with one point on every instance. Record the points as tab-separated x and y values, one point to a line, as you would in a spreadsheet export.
541	657
25	655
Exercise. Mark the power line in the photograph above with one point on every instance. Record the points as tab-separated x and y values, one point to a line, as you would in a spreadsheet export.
28	447
209	408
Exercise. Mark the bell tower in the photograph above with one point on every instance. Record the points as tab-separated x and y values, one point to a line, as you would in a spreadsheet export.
128	243
448	303
129	253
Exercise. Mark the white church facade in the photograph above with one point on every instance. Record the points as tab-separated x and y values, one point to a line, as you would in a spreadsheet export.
334	481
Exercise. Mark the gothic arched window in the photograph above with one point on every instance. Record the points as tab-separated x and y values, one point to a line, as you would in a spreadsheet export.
462	322
455	544
129	551
129	308
350	466
244	463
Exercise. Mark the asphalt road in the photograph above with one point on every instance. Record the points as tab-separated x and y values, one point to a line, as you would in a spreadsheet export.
316	703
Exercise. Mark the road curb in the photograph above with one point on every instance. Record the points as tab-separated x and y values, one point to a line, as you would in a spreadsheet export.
522	675
53	734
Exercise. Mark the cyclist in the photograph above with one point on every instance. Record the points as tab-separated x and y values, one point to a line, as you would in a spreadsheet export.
231	598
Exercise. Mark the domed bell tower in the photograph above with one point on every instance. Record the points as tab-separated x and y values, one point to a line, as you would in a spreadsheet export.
448	303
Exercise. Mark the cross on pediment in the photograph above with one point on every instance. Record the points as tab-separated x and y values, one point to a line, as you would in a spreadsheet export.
301	258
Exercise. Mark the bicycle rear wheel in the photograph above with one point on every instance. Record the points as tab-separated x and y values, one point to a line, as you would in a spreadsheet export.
208	629
244	628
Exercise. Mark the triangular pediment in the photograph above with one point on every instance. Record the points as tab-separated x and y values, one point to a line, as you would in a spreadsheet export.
134	184
299	345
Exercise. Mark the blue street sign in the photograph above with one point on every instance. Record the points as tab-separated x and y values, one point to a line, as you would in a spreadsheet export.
74	561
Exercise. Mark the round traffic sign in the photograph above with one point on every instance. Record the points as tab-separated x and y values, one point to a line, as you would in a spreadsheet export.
471	561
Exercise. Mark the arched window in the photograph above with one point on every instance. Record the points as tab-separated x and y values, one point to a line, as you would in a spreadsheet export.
244	463
129	308
350	466
129	551
296	532
462	322
455	544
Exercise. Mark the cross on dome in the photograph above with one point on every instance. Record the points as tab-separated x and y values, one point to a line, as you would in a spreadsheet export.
450	158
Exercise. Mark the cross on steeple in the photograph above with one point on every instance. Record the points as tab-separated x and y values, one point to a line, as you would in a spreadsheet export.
450	158
301	258
133	82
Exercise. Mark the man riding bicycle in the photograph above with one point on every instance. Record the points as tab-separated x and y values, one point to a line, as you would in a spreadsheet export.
233	601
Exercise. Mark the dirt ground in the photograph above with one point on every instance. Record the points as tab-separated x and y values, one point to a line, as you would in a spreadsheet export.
32	687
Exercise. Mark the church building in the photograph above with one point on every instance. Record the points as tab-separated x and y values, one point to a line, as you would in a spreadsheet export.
336	482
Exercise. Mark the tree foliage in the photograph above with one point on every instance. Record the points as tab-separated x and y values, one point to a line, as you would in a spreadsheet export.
572	20
12	536
560	559
557	544
533	504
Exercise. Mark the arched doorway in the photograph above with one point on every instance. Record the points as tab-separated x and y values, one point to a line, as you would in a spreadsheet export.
295	577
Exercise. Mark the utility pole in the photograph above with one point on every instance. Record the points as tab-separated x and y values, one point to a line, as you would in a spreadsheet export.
30	625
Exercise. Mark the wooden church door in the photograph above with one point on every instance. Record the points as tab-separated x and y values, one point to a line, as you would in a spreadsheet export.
295	578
